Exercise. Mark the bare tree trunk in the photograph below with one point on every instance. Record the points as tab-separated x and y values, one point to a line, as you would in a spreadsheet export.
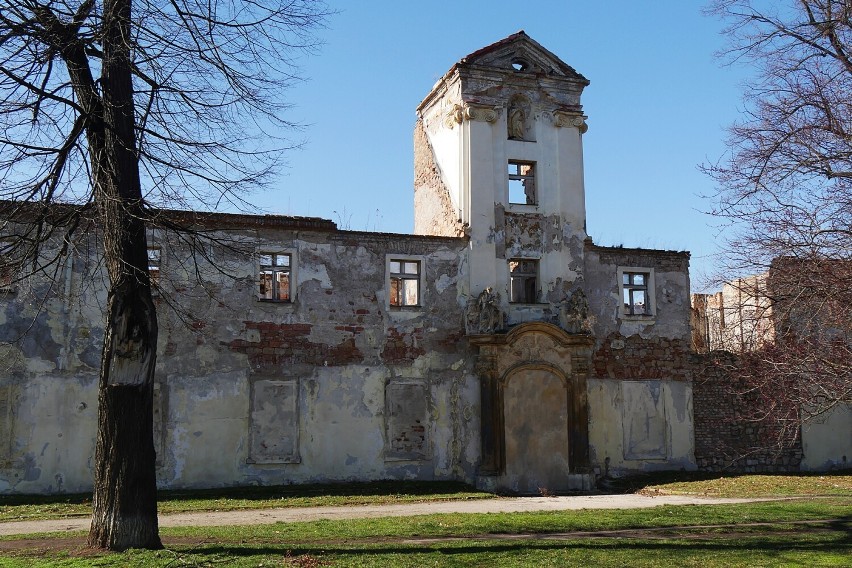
125	490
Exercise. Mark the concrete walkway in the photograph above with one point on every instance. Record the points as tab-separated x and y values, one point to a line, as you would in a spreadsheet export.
293	515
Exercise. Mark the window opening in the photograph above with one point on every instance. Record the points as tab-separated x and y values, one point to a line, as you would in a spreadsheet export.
154	266
404	282
635	290
523	281
274	285
522	183
520	65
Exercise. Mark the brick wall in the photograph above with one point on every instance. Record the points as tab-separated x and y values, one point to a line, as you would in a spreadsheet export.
734	430
634	357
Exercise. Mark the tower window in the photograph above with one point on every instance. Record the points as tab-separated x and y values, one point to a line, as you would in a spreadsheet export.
523	281
522	187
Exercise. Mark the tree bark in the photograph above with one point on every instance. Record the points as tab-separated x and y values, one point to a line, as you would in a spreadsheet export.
125	490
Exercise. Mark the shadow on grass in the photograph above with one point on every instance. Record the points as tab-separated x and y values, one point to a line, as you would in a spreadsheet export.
838	543
257	493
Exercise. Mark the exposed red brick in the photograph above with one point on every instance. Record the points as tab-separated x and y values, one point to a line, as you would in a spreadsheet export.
403	346
288	344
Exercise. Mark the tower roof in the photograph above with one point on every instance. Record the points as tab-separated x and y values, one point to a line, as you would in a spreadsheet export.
516	60
520	53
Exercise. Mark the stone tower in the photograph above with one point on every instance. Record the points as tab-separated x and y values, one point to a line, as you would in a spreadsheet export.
499	157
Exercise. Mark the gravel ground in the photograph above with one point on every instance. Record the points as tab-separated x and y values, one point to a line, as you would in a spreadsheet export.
293	515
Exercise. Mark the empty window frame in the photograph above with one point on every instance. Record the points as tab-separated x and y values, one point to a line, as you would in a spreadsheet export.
404	277
635	293
154	254
522	186
274	277
523	281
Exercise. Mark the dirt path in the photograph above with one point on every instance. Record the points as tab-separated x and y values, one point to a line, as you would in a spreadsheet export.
292	515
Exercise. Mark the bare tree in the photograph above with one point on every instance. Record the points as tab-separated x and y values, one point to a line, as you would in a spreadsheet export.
785	191
111	110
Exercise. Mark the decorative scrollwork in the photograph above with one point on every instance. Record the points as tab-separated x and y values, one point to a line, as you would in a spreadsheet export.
563	119
480	112
455	115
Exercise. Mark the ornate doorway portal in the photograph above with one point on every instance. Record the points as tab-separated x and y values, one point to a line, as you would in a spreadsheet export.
534	409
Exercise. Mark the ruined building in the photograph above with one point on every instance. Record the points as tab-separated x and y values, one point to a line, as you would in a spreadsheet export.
775	395
497	345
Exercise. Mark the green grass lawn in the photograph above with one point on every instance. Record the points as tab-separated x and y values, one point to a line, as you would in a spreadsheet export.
837	483
811	531
31	507
721	535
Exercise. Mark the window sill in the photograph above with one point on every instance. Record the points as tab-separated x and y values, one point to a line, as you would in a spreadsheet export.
634	317
268	301
405	308
521	208
290	460
407	458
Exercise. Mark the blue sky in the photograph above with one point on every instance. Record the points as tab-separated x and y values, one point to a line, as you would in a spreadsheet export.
658	103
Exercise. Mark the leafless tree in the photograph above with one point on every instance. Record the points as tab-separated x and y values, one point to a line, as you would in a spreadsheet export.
110	111
785	195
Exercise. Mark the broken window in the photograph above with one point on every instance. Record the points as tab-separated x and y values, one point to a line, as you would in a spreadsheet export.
523	281
635	293
274	281
522	183
404	282
154	267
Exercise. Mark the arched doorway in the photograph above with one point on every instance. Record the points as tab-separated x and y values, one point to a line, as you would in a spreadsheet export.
535	431
536	418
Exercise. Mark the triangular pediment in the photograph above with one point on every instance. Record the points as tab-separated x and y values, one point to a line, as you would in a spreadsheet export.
519	53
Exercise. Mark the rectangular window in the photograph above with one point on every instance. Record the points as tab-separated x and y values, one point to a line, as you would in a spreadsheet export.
154	266
404	282
635	293
522	188
523	281
274	280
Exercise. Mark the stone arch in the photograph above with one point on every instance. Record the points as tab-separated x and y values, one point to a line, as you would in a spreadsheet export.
533	367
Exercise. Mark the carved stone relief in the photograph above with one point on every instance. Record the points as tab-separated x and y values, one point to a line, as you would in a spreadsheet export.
484	314
574	313
519	119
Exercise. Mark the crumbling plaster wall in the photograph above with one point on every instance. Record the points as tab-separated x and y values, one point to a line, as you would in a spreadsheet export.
827	440
640	393
49	357
435	213
640	425
336	347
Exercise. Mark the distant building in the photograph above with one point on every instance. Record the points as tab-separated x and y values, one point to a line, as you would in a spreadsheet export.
770	314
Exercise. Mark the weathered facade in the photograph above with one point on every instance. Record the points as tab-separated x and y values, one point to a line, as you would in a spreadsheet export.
498	345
